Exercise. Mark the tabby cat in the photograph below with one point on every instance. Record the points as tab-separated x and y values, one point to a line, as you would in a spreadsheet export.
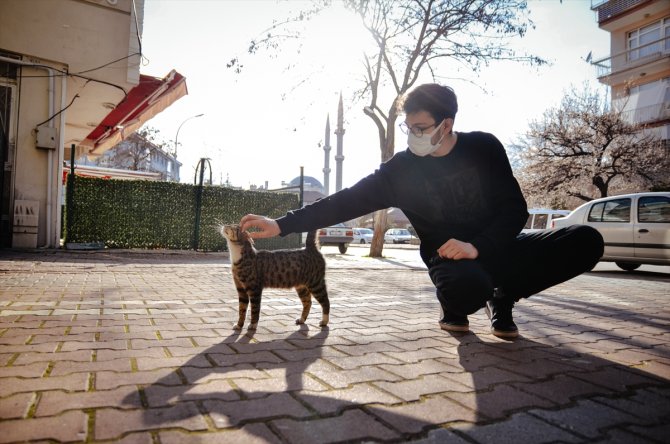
254	270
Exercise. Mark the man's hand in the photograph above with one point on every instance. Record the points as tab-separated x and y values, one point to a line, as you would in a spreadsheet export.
268	227
456	250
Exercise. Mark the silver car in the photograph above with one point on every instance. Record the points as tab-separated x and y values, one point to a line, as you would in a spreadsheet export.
363	235
635	227
397	236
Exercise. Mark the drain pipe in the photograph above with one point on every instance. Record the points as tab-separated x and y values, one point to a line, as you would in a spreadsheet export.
50	157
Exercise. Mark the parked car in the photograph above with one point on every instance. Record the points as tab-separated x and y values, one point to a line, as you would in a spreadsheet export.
541	218
397	236
338	234
636	227
363	235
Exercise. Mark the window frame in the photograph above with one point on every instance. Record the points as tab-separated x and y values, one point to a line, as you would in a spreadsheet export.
602	207
653	199
637	50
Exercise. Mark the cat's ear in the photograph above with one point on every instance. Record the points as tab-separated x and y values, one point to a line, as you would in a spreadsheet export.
245	236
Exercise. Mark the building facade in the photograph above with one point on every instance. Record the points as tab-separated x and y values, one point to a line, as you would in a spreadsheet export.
136	153
637	70
69	79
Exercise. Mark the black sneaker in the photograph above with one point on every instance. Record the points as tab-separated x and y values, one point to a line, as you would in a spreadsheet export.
454	322
499	311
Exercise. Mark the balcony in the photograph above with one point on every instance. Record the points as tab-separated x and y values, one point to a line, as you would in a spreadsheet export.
633	63
659	112
611	9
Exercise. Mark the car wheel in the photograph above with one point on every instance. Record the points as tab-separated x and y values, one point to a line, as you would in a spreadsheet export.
628	266
362	241
343	248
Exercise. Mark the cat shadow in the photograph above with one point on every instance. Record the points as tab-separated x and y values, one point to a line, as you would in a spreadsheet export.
254	399
262	388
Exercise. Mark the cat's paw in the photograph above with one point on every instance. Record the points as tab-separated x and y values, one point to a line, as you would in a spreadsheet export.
252	326
324	320
299	321
237	327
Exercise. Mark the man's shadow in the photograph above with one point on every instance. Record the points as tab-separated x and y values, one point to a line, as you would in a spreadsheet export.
559	393
266	389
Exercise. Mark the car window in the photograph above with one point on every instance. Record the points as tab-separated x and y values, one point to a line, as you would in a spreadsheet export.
654	209
540	221
616	210
529	222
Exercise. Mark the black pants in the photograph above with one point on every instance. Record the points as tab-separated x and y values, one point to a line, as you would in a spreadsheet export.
534	262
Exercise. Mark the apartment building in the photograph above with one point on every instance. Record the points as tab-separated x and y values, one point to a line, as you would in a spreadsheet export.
638	66
69	77
132	155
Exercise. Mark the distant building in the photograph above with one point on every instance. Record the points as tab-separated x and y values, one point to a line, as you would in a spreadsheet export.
313	190
638	68
137	154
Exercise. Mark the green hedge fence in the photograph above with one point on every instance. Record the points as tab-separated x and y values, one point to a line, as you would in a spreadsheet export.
146	214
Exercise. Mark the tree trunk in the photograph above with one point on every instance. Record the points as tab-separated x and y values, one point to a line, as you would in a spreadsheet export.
387	147
377	244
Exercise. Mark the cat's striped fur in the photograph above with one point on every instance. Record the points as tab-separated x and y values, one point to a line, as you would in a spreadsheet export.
253	270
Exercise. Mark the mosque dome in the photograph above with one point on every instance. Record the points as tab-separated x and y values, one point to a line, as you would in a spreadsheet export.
309	182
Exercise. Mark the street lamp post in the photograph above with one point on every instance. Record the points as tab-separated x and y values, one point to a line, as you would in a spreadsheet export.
177	136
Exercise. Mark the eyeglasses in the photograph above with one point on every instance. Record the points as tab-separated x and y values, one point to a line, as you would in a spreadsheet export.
418	132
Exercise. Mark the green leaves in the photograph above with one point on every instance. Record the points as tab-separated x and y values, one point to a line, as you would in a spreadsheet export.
145	214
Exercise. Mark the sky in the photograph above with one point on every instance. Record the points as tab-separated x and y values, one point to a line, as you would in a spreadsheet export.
260	126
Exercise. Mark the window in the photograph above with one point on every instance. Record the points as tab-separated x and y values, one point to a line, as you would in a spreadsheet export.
647	40
649	86
654	209
540	222
529	222
617	210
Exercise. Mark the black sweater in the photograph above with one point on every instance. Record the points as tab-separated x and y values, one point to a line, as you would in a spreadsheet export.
469	194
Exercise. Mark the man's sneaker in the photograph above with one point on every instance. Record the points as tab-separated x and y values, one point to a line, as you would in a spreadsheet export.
454	322
499	311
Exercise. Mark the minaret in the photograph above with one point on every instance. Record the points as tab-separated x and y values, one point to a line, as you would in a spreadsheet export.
339	157
326	161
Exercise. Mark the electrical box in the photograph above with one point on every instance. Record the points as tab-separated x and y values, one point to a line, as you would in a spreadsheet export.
46	137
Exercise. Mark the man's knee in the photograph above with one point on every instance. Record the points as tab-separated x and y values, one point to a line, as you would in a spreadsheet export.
588	240
462	287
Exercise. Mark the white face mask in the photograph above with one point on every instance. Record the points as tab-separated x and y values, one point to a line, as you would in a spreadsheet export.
422	146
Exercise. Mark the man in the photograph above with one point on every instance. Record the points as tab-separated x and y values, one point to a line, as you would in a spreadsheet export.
459	193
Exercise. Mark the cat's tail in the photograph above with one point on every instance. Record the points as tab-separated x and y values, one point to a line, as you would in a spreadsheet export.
312	241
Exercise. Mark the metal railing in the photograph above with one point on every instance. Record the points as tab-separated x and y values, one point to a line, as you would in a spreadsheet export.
607	9
632	58
647	114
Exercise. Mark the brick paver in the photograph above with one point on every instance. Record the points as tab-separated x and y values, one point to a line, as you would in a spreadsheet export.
138	347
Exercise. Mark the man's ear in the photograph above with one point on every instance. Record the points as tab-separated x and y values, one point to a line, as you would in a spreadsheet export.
448	125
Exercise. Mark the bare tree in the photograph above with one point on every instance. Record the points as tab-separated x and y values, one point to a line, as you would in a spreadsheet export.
416	39
135	152
583	149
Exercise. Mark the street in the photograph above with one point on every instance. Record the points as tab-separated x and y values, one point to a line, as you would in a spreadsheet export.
138	347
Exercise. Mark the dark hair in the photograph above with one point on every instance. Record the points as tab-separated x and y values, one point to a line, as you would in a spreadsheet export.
437	100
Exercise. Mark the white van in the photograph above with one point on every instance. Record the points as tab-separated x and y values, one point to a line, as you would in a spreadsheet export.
540	219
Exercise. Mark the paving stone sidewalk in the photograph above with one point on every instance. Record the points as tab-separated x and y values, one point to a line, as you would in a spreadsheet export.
139	348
